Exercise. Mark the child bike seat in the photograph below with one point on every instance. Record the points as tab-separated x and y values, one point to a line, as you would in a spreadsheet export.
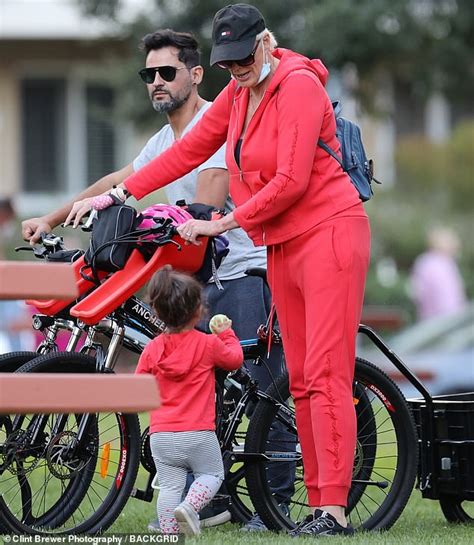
137	272
53	306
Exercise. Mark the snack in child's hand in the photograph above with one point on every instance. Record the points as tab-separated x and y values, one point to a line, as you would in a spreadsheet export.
219	323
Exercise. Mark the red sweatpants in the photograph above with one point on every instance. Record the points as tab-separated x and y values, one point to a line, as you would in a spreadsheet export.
317	282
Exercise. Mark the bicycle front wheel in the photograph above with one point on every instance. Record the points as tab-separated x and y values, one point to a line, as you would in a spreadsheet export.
70	473
385	461
11	361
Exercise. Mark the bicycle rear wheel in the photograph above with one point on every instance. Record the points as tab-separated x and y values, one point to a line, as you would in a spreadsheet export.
385	459
52	482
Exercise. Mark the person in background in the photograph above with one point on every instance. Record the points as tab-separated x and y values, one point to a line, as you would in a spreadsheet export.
172	75
437	287
295	199
182	429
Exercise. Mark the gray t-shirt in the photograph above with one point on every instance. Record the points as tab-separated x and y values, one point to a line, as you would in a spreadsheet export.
243	254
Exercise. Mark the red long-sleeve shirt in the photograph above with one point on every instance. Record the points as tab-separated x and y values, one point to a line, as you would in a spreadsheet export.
183	364
286	184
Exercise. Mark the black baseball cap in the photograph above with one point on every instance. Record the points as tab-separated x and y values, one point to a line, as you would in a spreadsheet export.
233	32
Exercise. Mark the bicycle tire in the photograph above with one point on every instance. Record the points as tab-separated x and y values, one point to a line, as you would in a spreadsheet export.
399	458
77	509
11	361
71	494
454	510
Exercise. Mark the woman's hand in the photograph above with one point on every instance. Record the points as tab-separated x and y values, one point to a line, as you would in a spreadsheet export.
78	210
190	230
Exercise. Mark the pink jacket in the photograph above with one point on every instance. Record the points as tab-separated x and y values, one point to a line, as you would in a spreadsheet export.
183	364
286	183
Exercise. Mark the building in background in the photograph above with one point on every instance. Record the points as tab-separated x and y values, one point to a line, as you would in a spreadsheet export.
57	126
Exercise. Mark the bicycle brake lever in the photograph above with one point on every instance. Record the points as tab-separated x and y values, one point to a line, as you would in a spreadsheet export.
51	240
39	252
87	226
26	248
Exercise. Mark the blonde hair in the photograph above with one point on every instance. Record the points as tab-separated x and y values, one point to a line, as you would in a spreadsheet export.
273	41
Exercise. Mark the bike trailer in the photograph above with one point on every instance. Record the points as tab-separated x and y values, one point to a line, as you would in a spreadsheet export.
446	440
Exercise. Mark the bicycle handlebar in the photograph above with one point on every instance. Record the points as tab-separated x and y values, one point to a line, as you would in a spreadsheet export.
50	244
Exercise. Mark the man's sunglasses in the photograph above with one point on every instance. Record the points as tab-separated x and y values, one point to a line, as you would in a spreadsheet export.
167	73
250	59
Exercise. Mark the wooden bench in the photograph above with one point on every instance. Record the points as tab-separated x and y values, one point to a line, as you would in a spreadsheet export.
25	280
60	392
79	393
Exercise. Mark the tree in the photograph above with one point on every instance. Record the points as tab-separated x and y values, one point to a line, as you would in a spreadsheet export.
426	45
100	8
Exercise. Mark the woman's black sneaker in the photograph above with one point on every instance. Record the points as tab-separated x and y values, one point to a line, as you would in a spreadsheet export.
296	531
324	524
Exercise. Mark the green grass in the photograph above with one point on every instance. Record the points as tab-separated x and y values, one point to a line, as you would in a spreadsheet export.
421	523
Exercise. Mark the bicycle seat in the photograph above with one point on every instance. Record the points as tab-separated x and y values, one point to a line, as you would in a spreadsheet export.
53	306
137	272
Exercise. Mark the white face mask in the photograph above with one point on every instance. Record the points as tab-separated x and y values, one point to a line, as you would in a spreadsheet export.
265	68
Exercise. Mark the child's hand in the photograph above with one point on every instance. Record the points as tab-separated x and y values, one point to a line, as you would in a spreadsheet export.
219	323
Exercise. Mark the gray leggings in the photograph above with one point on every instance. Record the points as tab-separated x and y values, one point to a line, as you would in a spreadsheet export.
177	453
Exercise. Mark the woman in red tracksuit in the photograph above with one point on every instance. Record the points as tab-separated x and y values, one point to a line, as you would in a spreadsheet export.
293	197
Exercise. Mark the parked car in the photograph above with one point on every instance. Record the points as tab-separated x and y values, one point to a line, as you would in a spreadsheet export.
440	351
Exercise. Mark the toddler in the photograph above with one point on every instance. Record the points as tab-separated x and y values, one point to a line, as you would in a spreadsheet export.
182	429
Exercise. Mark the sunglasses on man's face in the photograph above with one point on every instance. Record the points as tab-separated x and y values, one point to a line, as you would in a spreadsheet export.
167	73
249	60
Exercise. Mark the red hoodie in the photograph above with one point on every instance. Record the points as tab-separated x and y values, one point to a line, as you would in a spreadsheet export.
183	364
286	183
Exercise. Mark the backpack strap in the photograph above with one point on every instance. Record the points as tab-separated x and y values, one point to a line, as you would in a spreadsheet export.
331	152
337	108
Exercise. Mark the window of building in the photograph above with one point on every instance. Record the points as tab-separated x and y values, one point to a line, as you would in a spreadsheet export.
68	135
43	133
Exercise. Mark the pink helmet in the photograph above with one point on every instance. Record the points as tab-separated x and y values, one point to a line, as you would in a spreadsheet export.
177	214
